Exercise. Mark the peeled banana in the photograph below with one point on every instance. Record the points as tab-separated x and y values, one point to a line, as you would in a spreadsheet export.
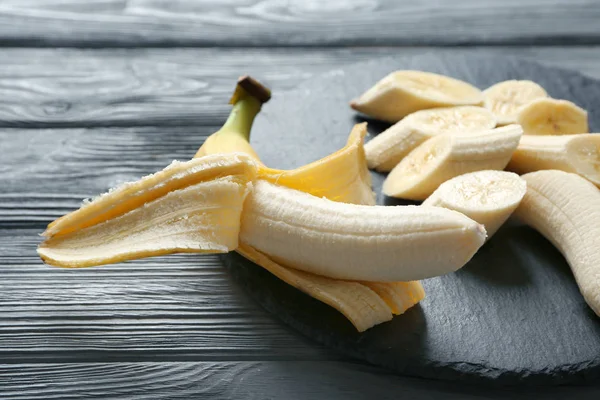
444	157
488	197
355	242
504	99
404	92
571	153
546	116
388	148
565	208
194	206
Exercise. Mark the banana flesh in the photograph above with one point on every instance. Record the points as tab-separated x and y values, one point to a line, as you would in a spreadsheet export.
488	197
444	157
565	208
201	213
504	99
388	148
571	153
356	242
546	116
403	92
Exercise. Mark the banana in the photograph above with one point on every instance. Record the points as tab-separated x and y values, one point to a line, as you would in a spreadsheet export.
194	206
356	242
487	197
571	153
197	206
565	208
444	157
504	99
404	92
388	148
548	116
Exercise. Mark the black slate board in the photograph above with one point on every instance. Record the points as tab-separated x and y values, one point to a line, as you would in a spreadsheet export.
513	315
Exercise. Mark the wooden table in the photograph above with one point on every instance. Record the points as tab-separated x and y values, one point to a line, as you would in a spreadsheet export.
94	93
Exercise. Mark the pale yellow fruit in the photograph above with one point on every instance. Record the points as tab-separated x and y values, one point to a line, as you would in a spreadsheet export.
552	117
388	148
505	99
404	92
444	157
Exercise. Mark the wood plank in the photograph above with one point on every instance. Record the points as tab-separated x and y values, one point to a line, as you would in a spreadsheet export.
246	380
184	87
273	22
197	311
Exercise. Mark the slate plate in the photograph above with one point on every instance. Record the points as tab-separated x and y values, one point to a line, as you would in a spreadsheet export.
513	315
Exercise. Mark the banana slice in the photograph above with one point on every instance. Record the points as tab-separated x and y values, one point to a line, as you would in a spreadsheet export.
444	157
571	153
488	197
404	92
356	242
552	117
388	148
565	208
201	218
504	99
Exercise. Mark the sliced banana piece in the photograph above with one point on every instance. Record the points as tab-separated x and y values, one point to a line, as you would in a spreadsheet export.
565	208
129	196
504	99
357	242
404	92
202	218
548	116
488	197
364	304
571	153
444	157
388	148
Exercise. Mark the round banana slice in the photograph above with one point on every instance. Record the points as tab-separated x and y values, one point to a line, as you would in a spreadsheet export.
388	148
404	92
488	197
571	153
504	99
552	117
443	157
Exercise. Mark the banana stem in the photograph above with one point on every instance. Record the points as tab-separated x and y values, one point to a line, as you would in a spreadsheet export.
242	116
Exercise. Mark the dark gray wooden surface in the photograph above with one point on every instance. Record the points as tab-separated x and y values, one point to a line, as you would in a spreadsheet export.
145	81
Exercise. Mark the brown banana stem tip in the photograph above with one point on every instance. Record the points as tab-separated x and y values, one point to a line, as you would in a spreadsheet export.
253	87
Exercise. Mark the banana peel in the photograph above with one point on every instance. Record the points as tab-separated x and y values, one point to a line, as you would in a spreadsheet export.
192	206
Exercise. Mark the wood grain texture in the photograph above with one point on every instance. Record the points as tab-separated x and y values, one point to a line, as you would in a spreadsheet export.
181	307
185	87
136	23
243	380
